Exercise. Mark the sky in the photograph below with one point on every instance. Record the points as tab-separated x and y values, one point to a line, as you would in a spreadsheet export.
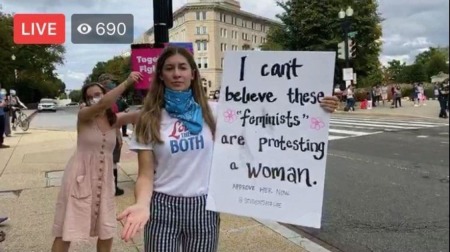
409	27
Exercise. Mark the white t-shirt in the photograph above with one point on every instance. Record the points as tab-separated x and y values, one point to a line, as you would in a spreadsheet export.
183	161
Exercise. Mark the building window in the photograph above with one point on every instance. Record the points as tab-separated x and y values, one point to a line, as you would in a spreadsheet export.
201	15
255	39
221	63
246	47
234	47
202	45
223	32
244	36
201	30
205	63
223	47
199	63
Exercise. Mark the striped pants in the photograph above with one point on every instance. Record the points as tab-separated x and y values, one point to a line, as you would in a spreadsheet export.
181	224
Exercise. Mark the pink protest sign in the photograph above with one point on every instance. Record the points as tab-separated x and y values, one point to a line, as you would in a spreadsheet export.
144	60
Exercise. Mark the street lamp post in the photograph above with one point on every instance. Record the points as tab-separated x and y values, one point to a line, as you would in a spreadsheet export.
346	22
13	57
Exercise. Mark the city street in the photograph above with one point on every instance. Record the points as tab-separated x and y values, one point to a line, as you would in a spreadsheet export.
386	186
387	192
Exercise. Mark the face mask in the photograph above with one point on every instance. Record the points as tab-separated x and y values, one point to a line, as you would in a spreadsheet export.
95	100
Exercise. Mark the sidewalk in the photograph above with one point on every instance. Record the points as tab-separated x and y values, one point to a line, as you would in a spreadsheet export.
428	111
30	174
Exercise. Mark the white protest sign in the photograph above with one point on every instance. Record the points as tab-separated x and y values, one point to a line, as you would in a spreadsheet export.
272	136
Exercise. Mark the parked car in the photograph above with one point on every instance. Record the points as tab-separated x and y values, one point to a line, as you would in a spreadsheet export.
47	104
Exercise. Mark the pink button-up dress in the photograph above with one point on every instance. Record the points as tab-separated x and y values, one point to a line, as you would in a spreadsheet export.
85	206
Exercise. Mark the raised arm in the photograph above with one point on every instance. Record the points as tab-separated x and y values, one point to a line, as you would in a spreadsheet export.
108	99
21	103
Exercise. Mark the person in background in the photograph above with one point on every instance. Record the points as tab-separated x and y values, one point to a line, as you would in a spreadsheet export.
384	93
443	97
378	94
350	98
7	110
15	104
2	121
123	107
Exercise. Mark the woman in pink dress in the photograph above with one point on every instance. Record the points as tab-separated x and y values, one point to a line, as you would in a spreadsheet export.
85	206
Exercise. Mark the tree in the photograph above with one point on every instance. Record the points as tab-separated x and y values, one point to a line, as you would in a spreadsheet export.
396	70
414	73
75	95
436	64
311	25
32	73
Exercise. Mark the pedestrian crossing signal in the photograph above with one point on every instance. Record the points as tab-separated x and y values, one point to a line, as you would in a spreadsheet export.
351	49
341	50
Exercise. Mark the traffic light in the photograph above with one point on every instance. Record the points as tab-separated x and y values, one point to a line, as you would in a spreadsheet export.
341	50
351	49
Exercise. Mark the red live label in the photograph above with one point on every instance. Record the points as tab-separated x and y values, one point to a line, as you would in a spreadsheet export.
39	28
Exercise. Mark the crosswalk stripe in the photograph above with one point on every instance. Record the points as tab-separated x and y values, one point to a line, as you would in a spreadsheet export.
331	137
345	127
372	125
352	132
406	123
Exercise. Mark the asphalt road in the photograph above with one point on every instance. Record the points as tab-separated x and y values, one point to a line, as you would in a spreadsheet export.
63	119
384	192
387	192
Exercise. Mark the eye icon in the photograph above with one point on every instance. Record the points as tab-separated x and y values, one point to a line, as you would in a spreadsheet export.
84	28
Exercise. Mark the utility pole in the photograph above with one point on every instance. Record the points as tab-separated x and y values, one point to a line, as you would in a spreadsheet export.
162	21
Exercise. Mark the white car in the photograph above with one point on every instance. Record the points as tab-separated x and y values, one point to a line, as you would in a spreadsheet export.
47	105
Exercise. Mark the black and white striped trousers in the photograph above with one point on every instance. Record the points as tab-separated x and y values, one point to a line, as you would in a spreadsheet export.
181	224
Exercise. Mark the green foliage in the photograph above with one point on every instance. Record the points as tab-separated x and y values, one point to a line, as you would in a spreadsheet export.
311	25
75	95
426	64
34	65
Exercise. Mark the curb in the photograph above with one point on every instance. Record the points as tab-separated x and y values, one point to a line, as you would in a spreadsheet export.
293	236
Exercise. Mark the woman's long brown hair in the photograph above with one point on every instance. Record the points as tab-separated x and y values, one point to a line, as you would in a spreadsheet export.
148	126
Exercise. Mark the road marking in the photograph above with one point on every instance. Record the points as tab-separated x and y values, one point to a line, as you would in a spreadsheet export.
421	136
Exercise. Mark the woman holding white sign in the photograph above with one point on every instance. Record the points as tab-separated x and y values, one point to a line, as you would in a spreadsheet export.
174	139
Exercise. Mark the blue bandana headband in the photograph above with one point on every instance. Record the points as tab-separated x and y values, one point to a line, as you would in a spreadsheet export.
181	105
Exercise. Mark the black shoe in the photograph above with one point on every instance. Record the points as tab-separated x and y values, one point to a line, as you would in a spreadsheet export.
125	135
119	191
4	146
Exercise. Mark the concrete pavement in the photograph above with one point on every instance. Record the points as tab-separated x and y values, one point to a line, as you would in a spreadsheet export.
29	182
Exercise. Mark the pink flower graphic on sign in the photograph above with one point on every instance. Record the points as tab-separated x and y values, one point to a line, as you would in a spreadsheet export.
317	123
230	115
